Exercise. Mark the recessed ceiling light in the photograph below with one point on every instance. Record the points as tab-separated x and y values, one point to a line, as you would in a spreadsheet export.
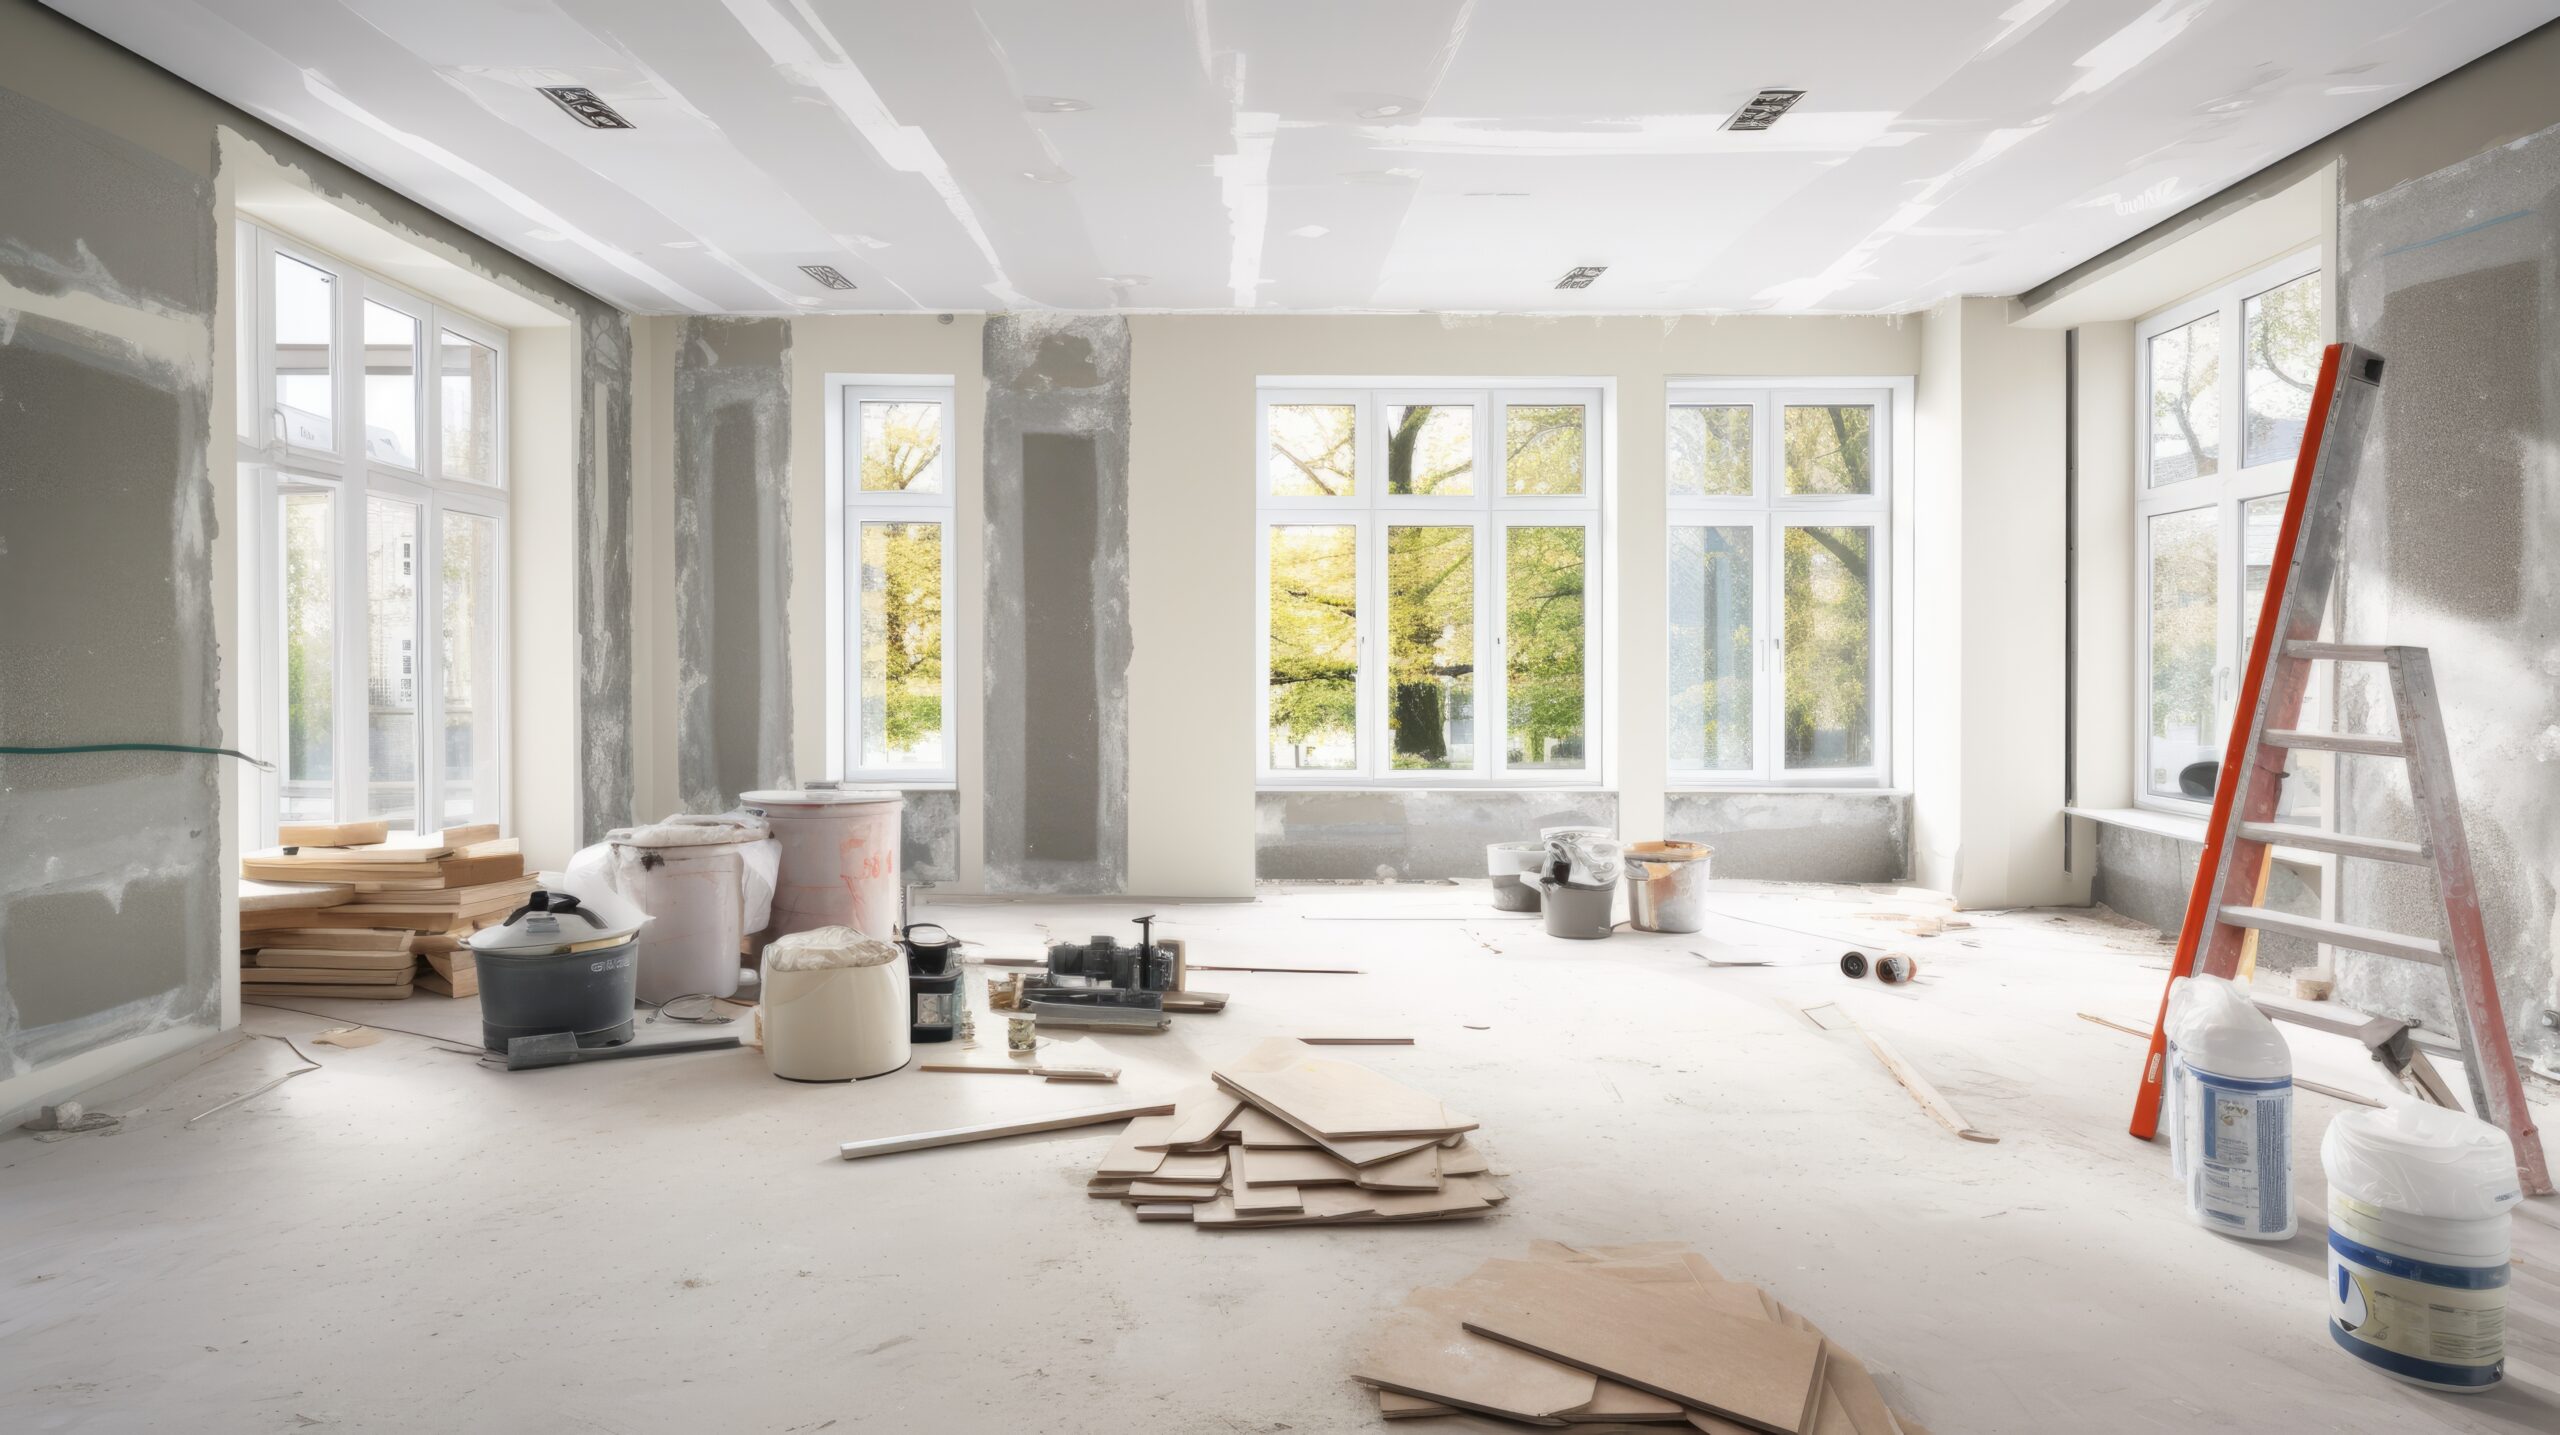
583	106
1311	231
828	275
1054	104
1581	275
1763	109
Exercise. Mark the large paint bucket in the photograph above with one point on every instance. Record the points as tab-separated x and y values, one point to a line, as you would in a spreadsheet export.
1667	885
2418	1243
839	859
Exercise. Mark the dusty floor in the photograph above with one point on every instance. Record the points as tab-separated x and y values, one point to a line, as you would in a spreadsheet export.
406	1241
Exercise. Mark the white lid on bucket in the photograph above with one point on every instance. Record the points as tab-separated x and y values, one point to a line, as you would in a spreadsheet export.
816	795
688	830
2423	1161
824	948
2217	1029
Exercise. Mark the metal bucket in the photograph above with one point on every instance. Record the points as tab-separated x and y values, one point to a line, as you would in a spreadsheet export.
1667	885
1581	913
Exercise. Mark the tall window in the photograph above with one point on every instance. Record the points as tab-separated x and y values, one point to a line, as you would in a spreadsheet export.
373	433
1780	501
1429	572
893	479
2225	388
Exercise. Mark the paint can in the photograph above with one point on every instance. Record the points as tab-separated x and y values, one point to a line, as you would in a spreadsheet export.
1021	1035
1853	964
834	1007
1513	866
2230	1107
1667	885
690	875
839	858
2419	1200
1581	913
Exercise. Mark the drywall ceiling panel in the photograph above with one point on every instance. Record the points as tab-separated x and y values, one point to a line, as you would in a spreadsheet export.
1316	155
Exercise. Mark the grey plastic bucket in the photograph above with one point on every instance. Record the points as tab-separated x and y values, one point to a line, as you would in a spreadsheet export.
1667	885
587	993
1581	913
1512	868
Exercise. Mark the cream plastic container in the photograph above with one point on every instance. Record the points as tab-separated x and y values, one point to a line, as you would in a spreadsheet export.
839	858
691	877
2230	1080
2419	1203
834	1006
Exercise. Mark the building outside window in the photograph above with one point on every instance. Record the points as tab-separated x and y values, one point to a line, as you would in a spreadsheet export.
891	484
1429	576
1780	505
2224	387
372	430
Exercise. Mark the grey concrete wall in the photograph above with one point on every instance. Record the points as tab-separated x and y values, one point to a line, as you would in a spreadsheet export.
2453	544
1405	836
1798	836
109	909
2148	875
733	558
929	836
607	764
1057	617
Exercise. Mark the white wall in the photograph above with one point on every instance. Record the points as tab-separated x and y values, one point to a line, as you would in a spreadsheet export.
542	603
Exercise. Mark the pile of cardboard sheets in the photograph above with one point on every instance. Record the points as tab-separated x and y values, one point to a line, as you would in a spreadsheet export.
1290	1138
1646	1334
342	910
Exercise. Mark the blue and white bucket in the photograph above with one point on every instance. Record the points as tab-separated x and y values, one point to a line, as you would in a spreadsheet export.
2418	1243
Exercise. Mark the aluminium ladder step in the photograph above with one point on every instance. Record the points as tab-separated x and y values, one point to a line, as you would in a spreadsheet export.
2345	844
2336	742
2339	652
2337	934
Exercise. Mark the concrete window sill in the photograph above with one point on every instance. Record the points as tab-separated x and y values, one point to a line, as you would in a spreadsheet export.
1476	790
2184	829
1773	789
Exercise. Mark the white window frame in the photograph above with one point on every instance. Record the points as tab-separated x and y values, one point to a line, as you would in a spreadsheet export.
1768	510
1370	511
269	464
2227	493
848	508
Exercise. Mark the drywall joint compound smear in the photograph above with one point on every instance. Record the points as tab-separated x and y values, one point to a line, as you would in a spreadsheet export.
733	559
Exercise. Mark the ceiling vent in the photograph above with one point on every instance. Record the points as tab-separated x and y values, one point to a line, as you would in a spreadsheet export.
1580	276
828	275
585	108
1763	109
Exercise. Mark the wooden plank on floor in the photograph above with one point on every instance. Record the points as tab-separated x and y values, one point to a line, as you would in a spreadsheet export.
997	1130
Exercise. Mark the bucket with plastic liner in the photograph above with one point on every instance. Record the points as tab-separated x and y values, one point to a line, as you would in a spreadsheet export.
562	962
834	1006
2230	1111
1579	882
1667	885
2419	1243
839	858
1513	866
706	883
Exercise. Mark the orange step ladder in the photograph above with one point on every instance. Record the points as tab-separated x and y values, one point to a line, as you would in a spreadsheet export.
2223	908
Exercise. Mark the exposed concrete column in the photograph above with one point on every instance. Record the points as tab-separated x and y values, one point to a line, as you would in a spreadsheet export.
733	560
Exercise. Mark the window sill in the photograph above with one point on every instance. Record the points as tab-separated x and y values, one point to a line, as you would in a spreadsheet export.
1765	789
2181	828
898	784
1287	789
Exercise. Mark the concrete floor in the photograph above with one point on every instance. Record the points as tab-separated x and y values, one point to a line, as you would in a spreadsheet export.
405	1241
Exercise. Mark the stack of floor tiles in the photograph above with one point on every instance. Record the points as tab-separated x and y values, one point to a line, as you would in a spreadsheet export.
1610	1335
344	912
1289	1138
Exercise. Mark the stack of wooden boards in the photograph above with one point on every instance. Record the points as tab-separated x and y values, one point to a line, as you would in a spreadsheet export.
1288	1138
341	910
1645	1334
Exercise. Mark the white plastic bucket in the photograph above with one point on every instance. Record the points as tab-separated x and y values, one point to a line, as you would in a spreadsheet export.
693	897
2230	1079
839	859
834	1008
2418	1243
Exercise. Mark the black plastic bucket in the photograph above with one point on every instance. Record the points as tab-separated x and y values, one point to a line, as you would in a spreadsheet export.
588	993
934	999
929	947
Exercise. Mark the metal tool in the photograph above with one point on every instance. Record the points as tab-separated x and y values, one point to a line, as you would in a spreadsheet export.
560	1048
1147	967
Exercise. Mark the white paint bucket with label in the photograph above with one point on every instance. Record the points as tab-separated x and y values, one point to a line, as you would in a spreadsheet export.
839	859
2230	1079
2418	1243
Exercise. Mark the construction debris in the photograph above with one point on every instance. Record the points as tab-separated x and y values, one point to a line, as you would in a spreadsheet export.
1648	1334
1286	1138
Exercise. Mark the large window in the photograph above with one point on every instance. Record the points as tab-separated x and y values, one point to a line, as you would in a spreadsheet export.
373	433
1780	501
1429	572
2224	386
890	564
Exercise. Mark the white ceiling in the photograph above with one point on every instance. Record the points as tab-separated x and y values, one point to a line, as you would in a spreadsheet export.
1944	147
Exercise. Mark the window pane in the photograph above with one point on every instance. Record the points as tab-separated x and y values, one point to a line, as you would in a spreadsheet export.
2282	331
468	383
2260	520
1711	637
1431	647
1431	448
1542	453
2183	583
1544	632
1315	646
472	564
2186	401
901	447
390	386
1313	452
391	616
1830	448
1711	450
305	301
310	658
901	680
1829	587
